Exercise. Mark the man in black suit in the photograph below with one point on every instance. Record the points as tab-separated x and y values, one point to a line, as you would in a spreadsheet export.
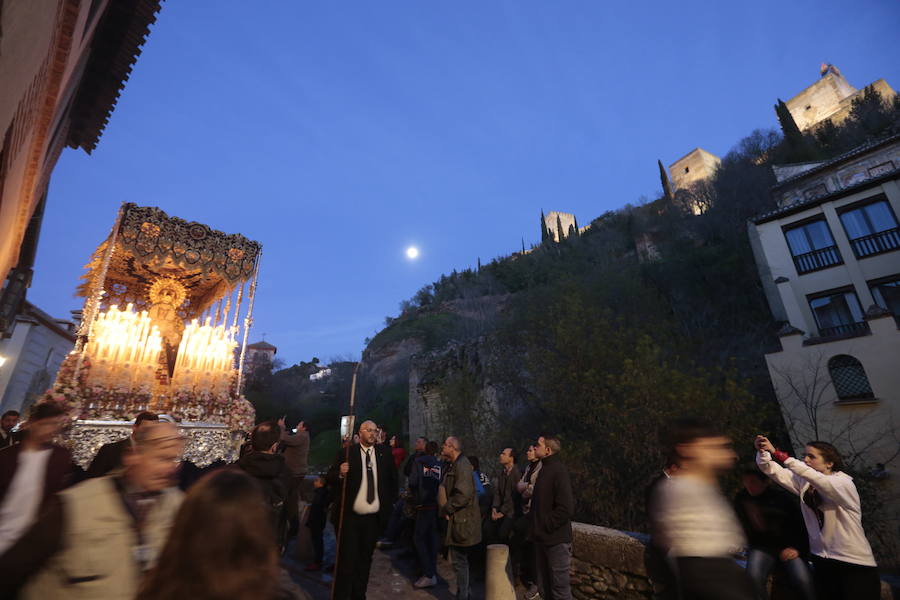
7	423
109	456
371	487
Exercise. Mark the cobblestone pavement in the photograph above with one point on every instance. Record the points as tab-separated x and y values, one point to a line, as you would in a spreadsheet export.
393	572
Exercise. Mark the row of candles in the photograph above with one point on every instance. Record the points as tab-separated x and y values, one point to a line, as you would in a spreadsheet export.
205	358
124	349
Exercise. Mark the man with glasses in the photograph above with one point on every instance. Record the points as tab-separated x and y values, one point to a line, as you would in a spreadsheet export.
458	504
369	480
106	532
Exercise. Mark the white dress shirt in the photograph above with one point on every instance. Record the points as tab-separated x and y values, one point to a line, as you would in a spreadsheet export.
842	536
360	506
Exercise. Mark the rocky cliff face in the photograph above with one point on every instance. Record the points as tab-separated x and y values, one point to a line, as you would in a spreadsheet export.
436	365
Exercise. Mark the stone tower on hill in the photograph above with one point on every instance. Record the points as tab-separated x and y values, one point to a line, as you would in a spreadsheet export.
831	97
557	226
694	166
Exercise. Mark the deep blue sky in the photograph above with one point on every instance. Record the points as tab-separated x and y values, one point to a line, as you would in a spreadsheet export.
339	133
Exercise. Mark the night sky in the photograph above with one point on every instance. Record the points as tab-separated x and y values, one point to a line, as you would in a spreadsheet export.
338	134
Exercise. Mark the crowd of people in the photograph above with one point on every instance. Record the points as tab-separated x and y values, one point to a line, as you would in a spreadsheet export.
124	529
448	504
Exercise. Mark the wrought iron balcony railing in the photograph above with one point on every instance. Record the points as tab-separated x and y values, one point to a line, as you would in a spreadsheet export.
883	241
858	328
818	259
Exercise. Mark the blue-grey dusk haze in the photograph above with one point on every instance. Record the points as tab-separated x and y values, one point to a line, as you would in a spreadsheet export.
339	134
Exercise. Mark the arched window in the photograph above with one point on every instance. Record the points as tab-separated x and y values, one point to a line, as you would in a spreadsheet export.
849	378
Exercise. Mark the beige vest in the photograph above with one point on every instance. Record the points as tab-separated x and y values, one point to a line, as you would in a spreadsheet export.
96	559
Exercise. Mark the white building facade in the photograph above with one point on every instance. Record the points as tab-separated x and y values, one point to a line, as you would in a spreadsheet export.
33	354
829	260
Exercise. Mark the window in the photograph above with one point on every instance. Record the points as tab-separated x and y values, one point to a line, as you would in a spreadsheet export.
838	313
887	294
849	378
871	228
812	246
687	169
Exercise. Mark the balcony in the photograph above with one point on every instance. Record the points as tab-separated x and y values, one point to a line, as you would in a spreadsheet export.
818	259
847	329
883	241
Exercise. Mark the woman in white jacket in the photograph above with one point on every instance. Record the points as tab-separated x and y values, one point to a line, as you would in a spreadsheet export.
844	567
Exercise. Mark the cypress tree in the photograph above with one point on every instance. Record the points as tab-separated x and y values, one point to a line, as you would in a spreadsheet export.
523	244
788	126
577	231
664	179
543	227
559	230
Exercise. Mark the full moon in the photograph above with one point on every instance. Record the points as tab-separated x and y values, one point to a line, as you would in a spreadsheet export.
412	253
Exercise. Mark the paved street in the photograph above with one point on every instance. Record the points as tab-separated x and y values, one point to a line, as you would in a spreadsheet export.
393	572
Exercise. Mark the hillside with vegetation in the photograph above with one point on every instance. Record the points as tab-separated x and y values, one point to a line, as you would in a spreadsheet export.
652	312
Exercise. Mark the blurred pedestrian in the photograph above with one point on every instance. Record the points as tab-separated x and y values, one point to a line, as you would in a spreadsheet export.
272	474
843	564
220	546
775	534
694	520
458	504
552	507
109	457
31	474
424	482
370	482
110	530
657	561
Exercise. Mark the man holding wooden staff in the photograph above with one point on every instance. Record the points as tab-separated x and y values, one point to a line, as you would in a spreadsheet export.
369	482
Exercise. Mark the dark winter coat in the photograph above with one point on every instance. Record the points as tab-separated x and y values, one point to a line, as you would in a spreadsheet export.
552	504
772	521
424	481
108	458
464	528
274	477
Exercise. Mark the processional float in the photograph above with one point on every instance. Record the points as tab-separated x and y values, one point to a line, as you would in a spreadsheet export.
163	317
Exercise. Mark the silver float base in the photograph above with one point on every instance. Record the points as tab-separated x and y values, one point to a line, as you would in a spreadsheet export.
205	442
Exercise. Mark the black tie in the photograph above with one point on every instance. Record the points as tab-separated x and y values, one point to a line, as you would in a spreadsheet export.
370	478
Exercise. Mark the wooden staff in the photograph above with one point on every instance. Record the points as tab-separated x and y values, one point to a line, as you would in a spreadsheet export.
337	547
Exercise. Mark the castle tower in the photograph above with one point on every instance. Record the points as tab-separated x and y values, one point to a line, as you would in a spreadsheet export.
558	225
694	166
831	97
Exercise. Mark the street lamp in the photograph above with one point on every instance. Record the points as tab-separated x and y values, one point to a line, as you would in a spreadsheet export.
2	360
